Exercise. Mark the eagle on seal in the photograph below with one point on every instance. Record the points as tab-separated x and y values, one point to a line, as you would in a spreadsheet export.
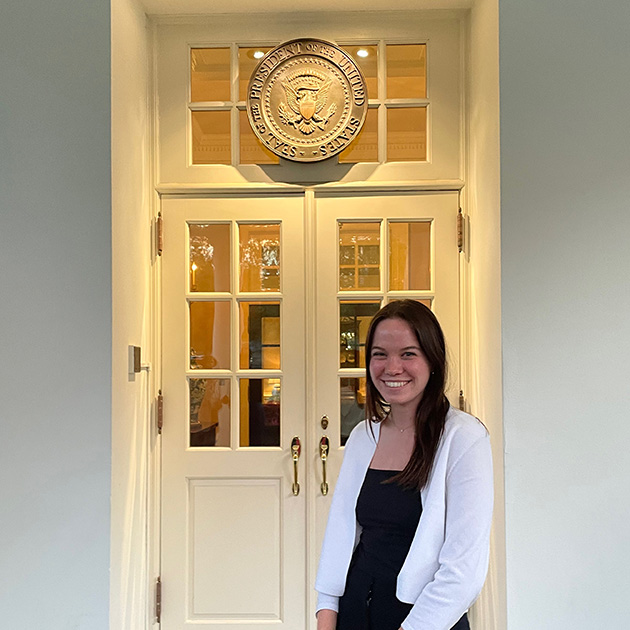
306	92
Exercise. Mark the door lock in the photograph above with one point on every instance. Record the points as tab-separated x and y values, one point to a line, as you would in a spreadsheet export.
324	422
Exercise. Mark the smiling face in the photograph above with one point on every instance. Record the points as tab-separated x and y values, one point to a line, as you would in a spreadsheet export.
398	368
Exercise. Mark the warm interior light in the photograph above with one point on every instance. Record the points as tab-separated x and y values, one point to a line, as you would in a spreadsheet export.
258	54
362	52
193	277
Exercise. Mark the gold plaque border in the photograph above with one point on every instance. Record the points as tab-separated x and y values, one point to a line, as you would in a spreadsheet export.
333	59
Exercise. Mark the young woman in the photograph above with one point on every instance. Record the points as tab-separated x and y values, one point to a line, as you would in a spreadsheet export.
406	544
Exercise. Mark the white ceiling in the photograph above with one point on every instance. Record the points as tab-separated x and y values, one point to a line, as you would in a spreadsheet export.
204	7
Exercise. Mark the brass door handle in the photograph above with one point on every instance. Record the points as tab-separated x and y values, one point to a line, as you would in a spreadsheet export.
324	446
296	449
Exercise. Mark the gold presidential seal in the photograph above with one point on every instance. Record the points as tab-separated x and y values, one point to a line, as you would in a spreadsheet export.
306	100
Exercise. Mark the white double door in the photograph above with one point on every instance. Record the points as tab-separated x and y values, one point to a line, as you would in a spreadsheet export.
266	302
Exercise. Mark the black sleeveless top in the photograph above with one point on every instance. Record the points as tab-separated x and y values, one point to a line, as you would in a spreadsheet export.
389	516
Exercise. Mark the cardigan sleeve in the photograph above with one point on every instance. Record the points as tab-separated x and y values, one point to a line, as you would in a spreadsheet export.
327	602
463	558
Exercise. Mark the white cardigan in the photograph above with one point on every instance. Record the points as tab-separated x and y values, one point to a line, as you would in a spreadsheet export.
448	559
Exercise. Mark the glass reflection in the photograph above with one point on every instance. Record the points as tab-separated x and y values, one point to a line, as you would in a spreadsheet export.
210	74
209	335
260	411
211	132
209	257
406	134
354	321
352	405
259	257
410	256
209	412
406	71
359	256
259	335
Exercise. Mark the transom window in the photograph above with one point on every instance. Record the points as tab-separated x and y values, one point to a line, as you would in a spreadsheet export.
395	128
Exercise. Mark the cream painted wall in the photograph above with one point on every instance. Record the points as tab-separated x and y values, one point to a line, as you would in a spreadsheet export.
133	436
483	280
565	172
55	315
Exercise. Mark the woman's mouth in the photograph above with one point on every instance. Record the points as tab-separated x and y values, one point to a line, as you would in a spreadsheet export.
396	384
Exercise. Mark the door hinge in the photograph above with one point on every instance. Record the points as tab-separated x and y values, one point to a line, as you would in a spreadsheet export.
460	231
159	412
159	235
462	400
158	600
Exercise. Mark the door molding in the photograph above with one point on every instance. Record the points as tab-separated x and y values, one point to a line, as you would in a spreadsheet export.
220	190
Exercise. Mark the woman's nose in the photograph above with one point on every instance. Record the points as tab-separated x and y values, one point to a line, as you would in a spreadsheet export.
393	365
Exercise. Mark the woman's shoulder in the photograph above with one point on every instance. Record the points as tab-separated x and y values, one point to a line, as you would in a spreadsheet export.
365	433
463	427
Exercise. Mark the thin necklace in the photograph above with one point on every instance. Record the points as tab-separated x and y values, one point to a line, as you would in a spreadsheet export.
401	430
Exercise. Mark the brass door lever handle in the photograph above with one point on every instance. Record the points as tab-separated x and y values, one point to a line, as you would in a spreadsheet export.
324	447
296	449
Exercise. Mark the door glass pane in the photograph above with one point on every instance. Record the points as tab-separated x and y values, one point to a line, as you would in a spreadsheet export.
209	74
410	256
406	71
260	411
251	149
259	257
364	148
259	335
359	256
366	58
209	411
406	134
209	256
354	320
352	407
210	335
248	59
211	137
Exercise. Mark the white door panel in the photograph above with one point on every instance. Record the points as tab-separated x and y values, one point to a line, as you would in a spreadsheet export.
233	550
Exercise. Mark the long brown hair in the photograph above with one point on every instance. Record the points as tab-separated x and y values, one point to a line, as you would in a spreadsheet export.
433	406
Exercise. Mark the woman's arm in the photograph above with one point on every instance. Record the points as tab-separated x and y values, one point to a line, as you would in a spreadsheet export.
463	558
326	619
